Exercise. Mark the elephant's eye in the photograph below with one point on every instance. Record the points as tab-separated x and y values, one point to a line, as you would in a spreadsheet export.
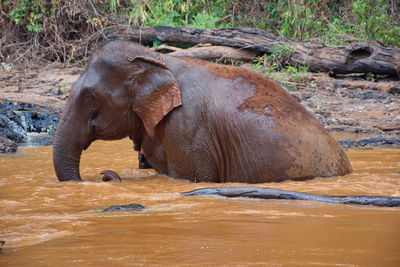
90	101
89	97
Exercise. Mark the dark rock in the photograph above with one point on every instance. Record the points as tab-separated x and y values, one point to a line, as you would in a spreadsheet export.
53	92
369	94
371	142
364	94
6	145
3	121
6	77
124	207
340	84
74	72
12	128
395	90
18	120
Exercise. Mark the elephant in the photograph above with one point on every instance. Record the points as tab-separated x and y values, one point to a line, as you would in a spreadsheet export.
193	119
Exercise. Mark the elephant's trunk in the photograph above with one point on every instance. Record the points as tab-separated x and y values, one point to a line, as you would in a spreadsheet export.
67	149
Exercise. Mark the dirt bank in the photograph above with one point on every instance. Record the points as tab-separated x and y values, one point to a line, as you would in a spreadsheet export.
351	104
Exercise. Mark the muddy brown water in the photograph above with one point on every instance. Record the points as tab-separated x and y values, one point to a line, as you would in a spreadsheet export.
47	223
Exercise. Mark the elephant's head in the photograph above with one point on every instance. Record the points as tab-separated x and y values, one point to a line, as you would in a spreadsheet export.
125	90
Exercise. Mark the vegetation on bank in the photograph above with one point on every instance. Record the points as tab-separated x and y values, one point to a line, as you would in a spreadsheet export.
54	30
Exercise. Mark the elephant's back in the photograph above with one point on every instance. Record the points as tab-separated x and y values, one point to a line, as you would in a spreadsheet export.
256	149
259	132
285	139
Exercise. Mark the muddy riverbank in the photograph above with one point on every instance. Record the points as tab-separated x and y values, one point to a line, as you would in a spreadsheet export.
31	103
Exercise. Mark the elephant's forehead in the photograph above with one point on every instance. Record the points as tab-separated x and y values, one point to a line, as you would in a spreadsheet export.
101	67
88	79
100	73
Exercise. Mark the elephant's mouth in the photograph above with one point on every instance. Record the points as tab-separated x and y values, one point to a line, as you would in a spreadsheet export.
86	145
89	140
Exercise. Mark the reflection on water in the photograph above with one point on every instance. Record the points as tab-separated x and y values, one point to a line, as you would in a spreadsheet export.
45	222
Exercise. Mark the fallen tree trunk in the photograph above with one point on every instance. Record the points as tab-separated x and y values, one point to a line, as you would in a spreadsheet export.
209	52
269	193
353	58
216	52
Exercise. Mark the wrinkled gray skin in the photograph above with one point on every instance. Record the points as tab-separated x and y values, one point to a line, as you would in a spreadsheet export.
193	119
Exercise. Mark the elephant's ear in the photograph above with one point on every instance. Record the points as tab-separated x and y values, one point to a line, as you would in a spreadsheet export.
156	92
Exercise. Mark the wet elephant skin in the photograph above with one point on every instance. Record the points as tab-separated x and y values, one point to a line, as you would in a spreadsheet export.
193	119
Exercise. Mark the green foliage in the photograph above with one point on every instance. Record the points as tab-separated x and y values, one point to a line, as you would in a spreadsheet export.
298	20
278	54
50	28
205	20
329	22
200	14
295	73
373	22
336	32
276	61
113	5
274	66
161	13
29	14
156	43
295	69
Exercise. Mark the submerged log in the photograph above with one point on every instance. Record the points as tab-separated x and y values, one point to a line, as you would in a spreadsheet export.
132	206
352	58
269	193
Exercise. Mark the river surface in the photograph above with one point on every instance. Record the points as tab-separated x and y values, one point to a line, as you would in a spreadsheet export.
47	223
